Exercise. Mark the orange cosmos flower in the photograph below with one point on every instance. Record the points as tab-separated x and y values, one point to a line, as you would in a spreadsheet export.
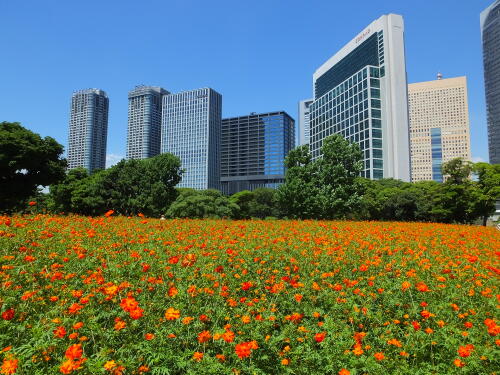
244	349
457	362
465	351
228	336
128	304
197	356
9	366
59	332
172	314
344	372
425	314
379	356
149	336
405	285
75	351
32	203
319	337
67	367
119	324
172	292
8	314
204	336
109	213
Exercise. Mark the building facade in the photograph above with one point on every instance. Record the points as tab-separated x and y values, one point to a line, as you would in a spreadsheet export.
88	130
191	126
144	121
361	93
490	32
253	150
304	121
439	126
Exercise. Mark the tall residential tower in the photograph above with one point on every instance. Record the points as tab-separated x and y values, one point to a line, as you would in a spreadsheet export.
490	32
191	126
144	121
439	125
361	93
88	130
253	150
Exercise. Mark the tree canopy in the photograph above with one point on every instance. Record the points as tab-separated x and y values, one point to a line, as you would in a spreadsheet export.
26	162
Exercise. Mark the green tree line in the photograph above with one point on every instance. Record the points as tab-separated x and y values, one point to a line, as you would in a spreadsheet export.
325	188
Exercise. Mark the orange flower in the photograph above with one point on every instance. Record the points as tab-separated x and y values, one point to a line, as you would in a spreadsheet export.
457	362
228	336
119	324
285	361
172	292
149	336
244	349
425	314
172	314
197	356
344	372
67	367
32	203
379	356
109	213
204	337
59	332
319	337
465	351
8	314
75	351
128	304
110	365
405	285
9	366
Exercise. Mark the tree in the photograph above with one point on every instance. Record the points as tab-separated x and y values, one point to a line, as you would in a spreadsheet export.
130	187
327	188
297	197
202	204
260	203
26	162
339	169
488	188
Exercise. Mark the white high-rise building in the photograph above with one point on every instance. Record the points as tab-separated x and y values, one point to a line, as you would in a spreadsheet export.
303	134
439	125
144	121
191	130
361	93
88	130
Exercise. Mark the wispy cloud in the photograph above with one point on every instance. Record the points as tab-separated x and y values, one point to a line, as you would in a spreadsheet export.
478	159
112	159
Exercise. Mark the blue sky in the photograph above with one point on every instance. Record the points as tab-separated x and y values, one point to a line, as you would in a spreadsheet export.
260	54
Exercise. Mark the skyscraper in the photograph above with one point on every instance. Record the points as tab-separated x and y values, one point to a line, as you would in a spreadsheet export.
88	129
191	124
439	125
253	150
361	93
144	121
490	32
304	112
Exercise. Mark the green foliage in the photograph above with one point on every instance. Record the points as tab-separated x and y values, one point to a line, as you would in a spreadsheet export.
326	188
260	203
130	187
202	204
26	162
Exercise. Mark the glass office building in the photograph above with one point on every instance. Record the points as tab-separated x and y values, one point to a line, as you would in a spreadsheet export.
253	150
144	121
304	121
361	93
88	130
490	31
191	125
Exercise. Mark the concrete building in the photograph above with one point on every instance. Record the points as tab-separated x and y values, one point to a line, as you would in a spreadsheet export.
144	121
439	125
304	121
361	93
253	150
88	130
490	33
191	126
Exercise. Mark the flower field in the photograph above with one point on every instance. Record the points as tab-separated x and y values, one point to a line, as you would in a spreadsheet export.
117	295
